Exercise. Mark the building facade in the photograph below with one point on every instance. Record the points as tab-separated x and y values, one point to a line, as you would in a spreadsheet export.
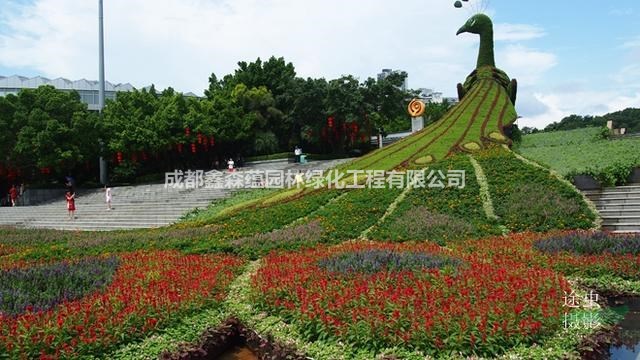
386	72
88	89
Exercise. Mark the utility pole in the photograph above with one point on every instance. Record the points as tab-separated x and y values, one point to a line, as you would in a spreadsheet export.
104	177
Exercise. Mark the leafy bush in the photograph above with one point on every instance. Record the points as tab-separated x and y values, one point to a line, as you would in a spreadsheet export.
42	287
124	172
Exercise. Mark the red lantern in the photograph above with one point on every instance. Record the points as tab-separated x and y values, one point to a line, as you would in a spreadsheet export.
119	157
179	147
354	127
187	131
199	138
330	122
212	141
193	148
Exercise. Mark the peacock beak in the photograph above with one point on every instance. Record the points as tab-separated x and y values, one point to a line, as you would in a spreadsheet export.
462	30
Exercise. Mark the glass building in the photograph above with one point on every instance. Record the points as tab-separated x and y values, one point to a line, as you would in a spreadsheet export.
88	89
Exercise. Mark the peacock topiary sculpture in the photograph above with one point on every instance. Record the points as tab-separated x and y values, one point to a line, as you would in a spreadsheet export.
483	116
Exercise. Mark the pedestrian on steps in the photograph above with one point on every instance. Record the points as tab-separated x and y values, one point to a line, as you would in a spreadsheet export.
71	204
13	195
107	196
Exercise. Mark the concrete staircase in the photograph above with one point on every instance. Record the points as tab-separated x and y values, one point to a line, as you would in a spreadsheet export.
619	207
141	206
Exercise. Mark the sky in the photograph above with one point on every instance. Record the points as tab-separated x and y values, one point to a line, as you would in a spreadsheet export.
569	56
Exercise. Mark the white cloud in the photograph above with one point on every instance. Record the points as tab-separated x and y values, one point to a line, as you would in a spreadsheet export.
631	43
517	32
621	12
526	64
180	42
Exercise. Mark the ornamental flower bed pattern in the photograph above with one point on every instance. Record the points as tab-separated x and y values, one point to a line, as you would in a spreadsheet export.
148	290
42	287
477	307
615	258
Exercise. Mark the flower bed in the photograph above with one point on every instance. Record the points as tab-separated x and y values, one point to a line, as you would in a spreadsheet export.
440	215
590	243
477	307
375	260
527	198
291	238
581	262
42	287
149	290
350	215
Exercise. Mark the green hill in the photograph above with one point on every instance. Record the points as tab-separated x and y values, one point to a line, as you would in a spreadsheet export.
583	151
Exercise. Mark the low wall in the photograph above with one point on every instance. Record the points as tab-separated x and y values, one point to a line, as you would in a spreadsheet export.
39	196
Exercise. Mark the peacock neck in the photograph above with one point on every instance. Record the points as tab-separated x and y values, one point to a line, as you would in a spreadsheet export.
486	56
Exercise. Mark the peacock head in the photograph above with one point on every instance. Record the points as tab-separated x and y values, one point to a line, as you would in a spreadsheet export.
477	24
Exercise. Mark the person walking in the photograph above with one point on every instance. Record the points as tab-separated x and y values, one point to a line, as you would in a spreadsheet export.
71	204
297	152
230	164
13	195
107	196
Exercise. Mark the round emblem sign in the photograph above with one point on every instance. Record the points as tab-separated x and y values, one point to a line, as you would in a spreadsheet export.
416	108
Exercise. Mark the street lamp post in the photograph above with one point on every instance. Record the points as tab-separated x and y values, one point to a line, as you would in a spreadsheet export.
104	178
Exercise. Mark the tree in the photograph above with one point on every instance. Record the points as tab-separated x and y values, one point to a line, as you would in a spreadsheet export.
51	128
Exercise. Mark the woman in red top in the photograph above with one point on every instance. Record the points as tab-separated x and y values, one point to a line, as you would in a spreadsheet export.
71	204
13	194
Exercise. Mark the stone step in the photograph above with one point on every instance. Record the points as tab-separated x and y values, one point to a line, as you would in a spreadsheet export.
633	187
124	217
628	195
100	213
620	220
101	227
622	227
136	206
619	213
615	201
89	223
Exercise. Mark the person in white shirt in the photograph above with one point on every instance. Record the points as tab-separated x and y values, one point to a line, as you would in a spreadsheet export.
297	152
107	196
230	165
